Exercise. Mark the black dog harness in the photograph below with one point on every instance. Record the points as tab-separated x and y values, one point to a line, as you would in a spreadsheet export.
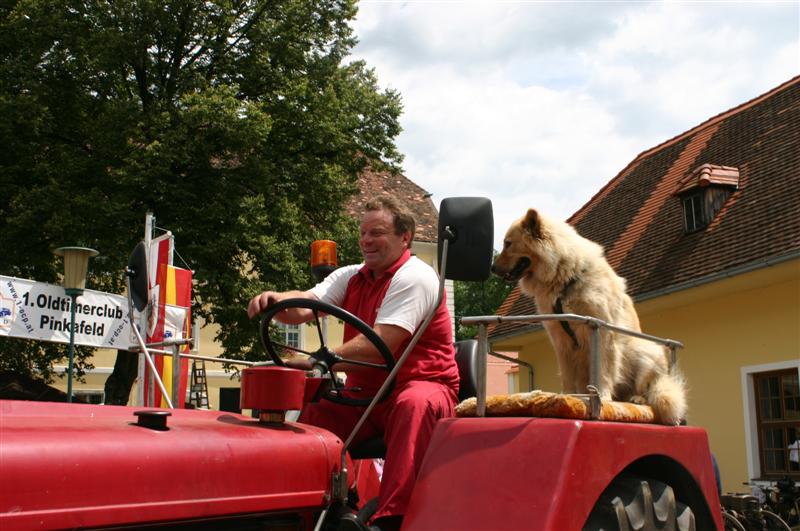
558	308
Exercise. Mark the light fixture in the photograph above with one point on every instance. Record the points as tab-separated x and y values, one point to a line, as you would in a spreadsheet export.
323	258
76	264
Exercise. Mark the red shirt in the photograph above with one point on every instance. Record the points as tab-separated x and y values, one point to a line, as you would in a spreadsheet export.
433	357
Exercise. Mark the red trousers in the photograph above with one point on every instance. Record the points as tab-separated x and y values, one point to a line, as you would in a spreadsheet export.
406	420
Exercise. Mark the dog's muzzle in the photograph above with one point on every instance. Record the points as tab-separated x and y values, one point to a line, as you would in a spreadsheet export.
514	274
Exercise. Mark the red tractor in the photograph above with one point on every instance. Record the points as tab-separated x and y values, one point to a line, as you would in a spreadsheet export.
77	466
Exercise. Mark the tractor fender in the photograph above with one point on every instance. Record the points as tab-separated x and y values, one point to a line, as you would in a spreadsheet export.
506	473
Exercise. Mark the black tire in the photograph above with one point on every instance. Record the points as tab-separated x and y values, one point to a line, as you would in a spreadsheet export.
731	522
632	503
774	522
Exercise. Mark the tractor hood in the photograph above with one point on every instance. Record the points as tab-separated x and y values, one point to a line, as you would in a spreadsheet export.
77	465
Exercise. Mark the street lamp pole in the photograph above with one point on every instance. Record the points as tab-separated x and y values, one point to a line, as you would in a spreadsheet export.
72	294
76	264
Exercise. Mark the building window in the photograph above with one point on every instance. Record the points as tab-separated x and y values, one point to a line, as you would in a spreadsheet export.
89	396
512	386
291	335
693	218
777	401
703	193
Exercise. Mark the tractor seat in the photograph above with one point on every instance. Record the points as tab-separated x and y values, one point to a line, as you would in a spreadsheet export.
467	361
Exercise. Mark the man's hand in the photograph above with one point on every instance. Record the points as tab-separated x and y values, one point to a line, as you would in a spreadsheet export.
324	358
304	364
260	303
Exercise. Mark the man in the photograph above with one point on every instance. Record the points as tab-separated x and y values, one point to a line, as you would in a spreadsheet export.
393	292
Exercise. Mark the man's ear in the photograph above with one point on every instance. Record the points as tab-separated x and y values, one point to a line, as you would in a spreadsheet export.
531	223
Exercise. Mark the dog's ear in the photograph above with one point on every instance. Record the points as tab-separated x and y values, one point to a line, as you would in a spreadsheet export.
531	223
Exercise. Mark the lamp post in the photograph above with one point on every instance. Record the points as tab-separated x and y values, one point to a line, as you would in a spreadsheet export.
76	264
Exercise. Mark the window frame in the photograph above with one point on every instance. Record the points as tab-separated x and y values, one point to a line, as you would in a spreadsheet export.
756	469
287	329
782	423
695	200
90	396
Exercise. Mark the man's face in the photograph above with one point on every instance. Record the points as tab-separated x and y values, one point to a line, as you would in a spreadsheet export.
379	244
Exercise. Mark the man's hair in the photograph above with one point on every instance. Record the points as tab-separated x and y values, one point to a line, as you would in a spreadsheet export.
403	219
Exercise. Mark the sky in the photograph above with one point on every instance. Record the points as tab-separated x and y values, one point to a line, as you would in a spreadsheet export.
541	103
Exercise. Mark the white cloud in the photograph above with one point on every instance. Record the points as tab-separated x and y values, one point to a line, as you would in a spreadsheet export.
542	103
678	64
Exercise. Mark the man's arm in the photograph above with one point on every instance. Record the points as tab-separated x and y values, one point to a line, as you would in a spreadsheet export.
261	302
361	349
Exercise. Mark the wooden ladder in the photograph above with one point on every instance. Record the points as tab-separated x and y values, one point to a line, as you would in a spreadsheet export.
198	394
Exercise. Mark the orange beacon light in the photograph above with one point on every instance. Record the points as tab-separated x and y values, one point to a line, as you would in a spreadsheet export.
323	258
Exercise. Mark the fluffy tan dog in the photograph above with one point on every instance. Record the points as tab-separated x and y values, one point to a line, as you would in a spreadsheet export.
566	273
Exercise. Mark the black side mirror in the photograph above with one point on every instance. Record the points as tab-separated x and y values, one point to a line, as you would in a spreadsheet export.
467	223
137	271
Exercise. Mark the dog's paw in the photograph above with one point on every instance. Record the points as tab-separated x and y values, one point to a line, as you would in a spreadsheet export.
637	399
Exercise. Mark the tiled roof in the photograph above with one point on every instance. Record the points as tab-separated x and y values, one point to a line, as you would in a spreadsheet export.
372	183
709	174
638	218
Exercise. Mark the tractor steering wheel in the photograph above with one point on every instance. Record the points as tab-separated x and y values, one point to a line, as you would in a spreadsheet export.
334	393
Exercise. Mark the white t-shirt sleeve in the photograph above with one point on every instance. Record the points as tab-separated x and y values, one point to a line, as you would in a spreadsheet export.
332	289
410	297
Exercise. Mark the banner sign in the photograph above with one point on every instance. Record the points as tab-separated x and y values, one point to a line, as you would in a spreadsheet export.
40	311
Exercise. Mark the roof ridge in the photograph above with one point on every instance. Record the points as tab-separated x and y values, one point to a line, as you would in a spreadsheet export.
706	123
721	116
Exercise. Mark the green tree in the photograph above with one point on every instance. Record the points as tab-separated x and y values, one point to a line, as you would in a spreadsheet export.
238	123
477	298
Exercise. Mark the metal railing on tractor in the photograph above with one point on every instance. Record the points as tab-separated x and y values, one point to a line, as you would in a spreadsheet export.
595	387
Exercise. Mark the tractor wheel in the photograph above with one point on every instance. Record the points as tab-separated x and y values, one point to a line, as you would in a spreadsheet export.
632	503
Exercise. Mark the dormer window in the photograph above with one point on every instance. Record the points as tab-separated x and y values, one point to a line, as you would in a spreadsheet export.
693	219
703	192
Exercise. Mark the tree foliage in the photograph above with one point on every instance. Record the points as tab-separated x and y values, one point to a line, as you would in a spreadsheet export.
238	123
478	298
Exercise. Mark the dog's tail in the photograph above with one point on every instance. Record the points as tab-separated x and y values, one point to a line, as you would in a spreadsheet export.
667	396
